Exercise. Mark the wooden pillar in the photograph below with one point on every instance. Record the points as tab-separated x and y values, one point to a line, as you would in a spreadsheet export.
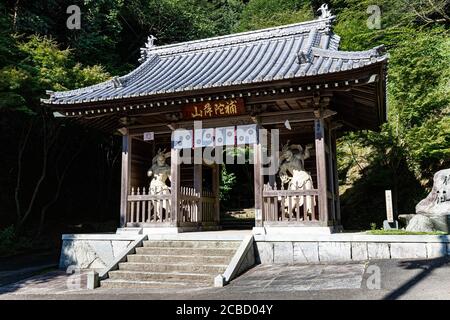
216	191
258	183
175	185
125	181
321	168
198	181
331	173
336	179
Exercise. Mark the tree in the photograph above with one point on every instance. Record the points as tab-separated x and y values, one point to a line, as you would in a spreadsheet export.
259	14
416	140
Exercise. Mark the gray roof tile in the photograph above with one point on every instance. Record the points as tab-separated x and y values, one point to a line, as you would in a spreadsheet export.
249	57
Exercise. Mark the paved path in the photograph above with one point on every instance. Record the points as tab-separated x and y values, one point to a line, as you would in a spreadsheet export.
13	269
382	279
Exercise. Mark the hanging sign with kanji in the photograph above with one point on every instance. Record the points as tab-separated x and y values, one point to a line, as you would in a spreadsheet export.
214	109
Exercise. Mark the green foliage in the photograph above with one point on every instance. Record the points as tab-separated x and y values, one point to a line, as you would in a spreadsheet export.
259	14
227	182
43	67
38	53
402	233
10	243
415	142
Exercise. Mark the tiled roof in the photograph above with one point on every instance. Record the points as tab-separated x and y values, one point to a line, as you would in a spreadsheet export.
286	52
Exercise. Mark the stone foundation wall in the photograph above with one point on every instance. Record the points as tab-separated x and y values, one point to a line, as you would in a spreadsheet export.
295	251
96	251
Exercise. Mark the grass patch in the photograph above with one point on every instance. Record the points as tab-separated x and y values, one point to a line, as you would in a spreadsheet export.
403	232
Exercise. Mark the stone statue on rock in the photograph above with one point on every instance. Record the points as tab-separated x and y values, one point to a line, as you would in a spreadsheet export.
435	208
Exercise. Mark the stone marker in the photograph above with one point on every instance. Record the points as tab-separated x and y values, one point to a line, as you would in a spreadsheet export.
436	206
389	223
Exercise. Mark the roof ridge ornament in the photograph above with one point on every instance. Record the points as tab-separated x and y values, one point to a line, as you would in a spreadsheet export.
380	50
116	82
149	45
325	13
304	56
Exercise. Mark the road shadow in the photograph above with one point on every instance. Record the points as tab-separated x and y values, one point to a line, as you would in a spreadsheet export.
48	282
426	265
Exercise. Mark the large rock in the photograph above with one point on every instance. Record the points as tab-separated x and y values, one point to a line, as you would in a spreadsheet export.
436	205
420	223
438	201
405	218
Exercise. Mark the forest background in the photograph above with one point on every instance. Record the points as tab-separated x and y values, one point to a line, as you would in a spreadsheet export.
58	177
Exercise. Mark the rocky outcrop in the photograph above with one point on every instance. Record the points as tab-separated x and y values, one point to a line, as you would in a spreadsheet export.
438	201
420	223
433	212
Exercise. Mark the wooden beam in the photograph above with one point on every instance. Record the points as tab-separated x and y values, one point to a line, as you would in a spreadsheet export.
293	117
125	180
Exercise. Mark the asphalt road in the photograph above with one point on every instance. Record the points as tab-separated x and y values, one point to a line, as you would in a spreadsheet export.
380	279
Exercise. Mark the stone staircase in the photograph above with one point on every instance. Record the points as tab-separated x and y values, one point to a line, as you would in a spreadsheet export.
173	263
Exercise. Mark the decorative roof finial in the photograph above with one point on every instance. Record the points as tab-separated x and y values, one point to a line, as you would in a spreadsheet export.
116	82
304	57
150	41
324	11
148	46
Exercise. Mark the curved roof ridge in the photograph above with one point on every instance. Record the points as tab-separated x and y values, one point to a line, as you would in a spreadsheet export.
243	37
367	54
306	49
120	81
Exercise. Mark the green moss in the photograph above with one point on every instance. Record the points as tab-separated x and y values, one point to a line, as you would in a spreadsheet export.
403	232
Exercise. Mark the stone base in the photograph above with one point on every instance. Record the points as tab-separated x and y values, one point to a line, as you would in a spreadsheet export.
92	251
347	247
295	230
429	223
129	230
390	225
440	222
167	230
146	229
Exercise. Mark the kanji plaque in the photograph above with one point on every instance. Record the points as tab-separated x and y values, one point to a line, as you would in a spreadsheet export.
214	109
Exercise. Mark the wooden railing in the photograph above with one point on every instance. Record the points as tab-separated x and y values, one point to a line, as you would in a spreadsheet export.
290	205
154	206
208	206
190	200
149	207
190	204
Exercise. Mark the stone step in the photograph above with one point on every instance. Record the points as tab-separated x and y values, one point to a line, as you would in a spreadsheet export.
237	227
172	259
186	251
161	276
159	267
192	244
128	284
